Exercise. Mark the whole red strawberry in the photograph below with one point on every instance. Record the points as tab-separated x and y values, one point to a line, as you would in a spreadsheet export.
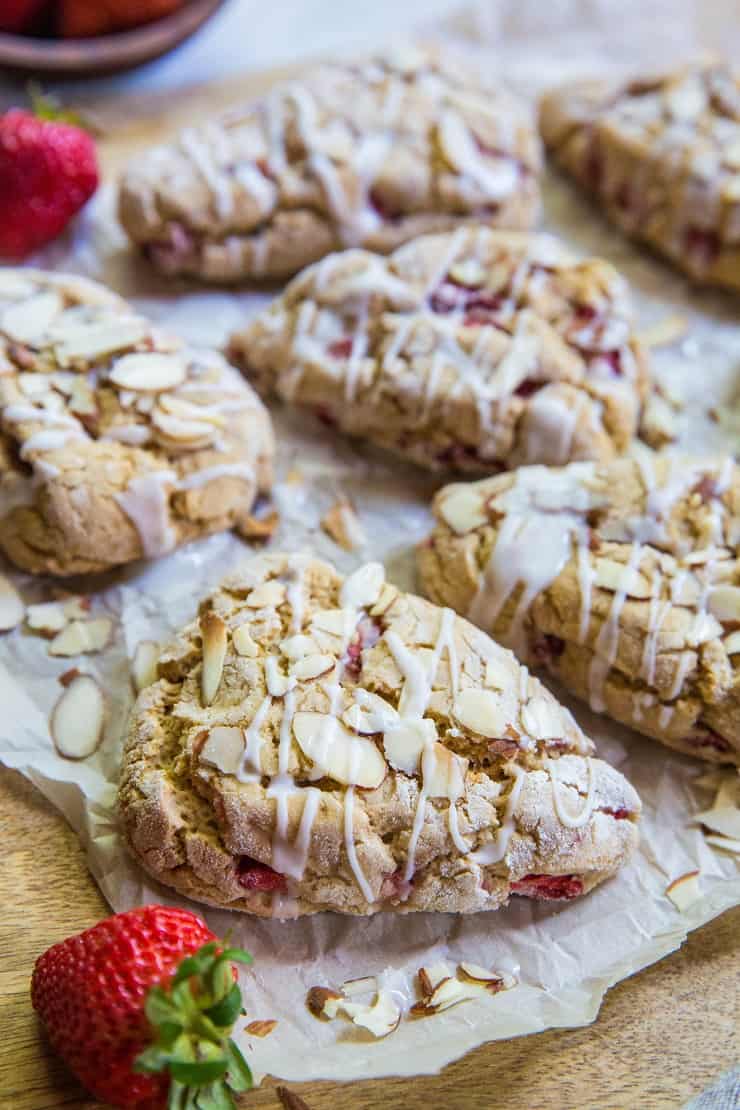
48	170
141	1006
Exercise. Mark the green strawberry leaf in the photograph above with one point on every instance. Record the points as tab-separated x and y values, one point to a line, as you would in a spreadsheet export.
216	1096
225	1012
198	1072
237	955
239	1073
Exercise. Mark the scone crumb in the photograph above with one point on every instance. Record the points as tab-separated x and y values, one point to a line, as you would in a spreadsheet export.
342	524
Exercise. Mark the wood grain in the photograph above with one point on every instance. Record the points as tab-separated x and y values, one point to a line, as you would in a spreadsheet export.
660	1038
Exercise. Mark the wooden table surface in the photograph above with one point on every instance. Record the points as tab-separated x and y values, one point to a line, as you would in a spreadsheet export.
660	1038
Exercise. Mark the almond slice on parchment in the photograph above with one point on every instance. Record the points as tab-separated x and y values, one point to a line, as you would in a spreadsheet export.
381	1018
342	524
78	717
82	637
47	618
214	635
261	1028
323	1002
684	891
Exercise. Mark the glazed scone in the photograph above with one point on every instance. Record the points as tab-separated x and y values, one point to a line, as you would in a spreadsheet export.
622	580
663	157
117	442
314	743
475	350
364	153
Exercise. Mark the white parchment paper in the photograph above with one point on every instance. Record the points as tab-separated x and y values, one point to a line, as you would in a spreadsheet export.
565	958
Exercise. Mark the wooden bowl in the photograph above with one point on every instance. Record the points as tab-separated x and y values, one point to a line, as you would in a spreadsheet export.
105	53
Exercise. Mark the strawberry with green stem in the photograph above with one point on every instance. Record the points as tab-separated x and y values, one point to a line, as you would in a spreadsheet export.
141	1007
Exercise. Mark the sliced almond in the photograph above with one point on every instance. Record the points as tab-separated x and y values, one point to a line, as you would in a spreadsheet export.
14	285
368	984
498	675
450	992
491	980
82	398
12	609
342	524
311	666
243	643
385	599
685	100
684	891
542	719
334	621
381	1019
706	555
261	1028
69	676
432	975
481	711
468	272
88	342
444	773
28	321
462	508
82	637
724	819
224	748
47	618
725	844
258	528
149	372
724	603
144	664
193	433
297	647
728	791
268	593
362	588
371	713
185	410
352	760
77	718
323	1002
76	608
620	578
35	385
405	742
214	634
664	332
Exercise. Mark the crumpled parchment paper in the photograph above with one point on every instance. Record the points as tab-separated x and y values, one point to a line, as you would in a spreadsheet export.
565	958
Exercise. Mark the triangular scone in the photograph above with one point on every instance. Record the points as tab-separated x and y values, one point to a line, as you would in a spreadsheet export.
360	153
117	442
662	155
477	350
318	743
623	580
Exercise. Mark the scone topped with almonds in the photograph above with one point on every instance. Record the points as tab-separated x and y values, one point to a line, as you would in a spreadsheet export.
359	153
117	442
662	155
317	743
477	350
622	579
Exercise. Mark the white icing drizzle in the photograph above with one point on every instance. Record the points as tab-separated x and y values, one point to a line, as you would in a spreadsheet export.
146	504
571	820
495	850
607	641
666	715
453	824
349	844
250	768
217	181
657	614
357	353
